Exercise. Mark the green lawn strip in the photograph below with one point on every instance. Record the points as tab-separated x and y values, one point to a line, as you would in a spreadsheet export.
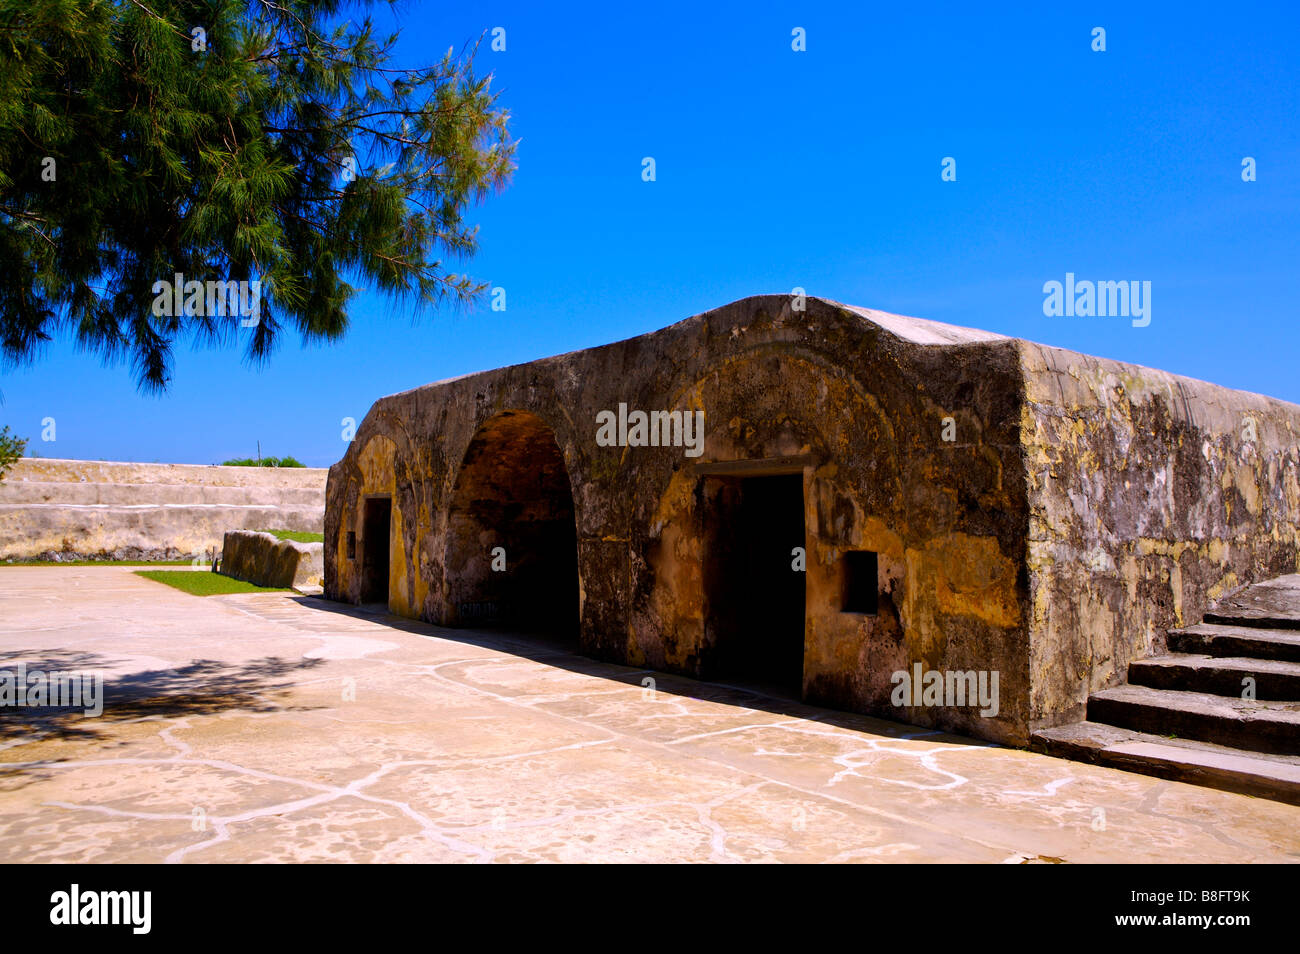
205	582
96	563
297	536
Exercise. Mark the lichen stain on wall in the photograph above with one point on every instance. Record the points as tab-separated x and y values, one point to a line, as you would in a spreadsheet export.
674	561
966	576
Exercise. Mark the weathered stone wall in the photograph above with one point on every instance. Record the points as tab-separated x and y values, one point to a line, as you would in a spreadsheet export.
1150	496
265	560
72	509
1077	508
868	409
860	404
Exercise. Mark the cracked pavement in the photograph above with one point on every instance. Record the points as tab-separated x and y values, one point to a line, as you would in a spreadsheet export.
276	727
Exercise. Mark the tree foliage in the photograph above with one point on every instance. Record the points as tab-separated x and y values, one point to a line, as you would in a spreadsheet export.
226	155
11	449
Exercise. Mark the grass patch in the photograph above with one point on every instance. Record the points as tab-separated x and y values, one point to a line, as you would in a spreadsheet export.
297	536
95	563
205	582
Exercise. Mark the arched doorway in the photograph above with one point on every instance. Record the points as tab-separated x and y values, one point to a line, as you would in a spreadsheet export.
512	542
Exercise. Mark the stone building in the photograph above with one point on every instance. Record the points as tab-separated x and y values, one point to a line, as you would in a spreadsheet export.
870	493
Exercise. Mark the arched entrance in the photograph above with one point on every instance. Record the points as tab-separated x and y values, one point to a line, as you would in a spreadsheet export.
512	542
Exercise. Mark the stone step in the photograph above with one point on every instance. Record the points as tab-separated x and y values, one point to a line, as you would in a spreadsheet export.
1259	726
1182	760
1240	619
1220	675
1273	604
1213	639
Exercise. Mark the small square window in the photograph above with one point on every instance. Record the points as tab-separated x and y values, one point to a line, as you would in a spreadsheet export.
861	590
352	545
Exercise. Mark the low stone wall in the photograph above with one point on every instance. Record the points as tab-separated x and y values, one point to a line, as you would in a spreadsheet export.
74	509
264	560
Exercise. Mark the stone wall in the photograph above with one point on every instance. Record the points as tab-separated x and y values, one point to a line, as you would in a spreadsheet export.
263	559
1031	512
70	509
857	398
1150	496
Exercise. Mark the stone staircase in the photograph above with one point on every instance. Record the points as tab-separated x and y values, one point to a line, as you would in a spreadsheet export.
1185	715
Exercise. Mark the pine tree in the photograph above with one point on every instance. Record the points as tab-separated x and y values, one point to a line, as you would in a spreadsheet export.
227	140
11	449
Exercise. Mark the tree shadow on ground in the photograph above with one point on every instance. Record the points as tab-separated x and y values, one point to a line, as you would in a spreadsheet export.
565	654
201	687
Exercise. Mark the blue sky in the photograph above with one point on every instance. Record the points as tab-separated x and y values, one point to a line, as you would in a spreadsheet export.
818	169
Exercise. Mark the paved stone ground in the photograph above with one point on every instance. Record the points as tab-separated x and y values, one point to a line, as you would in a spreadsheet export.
273	727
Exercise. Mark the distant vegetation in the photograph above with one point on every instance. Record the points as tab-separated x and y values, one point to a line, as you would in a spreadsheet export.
11	448
263	462
297	536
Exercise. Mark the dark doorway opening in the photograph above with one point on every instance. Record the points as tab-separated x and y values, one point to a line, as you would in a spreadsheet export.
512	550
375	529
754	629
